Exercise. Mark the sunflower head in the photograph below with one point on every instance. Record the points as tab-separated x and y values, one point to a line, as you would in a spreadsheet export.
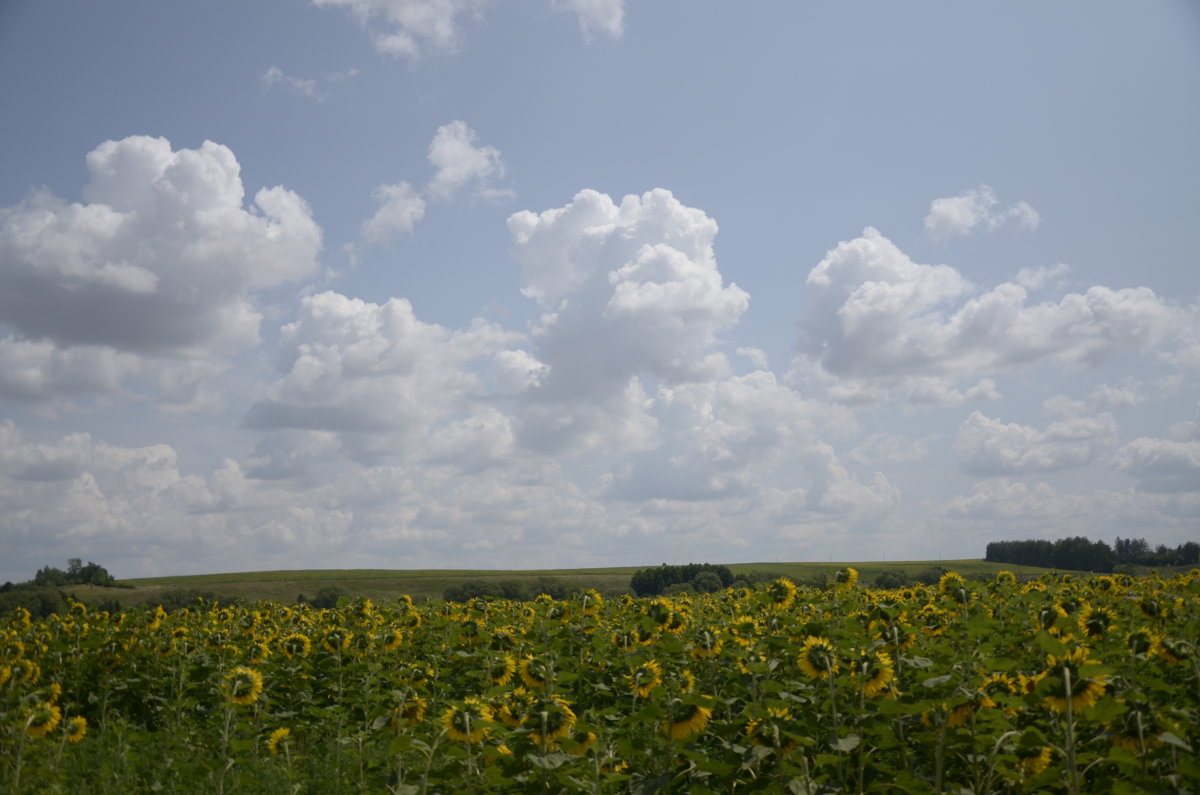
846	578
75	729
500	671
770	730
278	739
535	672
551	718
875	671
782	593
1095	622
644	678
685	718
408	713
243	685
295	645
42	719
818	660
467	720
1065	685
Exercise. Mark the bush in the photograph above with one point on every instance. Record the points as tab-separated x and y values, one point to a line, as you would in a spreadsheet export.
707	582
327	597
892	579
39	600
929	576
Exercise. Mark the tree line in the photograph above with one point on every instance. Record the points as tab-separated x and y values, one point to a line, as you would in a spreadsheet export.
1080	554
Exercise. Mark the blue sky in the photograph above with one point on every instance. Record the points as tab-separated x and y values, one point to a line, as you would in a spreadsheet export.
446	283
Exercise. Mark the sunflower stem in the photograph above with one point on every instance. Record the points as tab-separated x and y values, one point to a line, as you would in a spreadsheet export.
1072	771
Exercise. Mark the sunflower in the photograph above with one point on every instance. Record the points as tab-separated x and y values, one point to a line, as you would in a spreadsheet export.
1034	759
943	715
258	652
583	741
591	601
501	671
42	720
391	639
645	678
243	685
1142	641
1095	622
409	713
876	671
535	673
684	719
846	578
75	729
515	707
336	639
1006	578
1175	650
1061	669
295	645
706	644
782	593
817	659
279	737
744	630
897	636
1137	730
468	720
769	731
553	718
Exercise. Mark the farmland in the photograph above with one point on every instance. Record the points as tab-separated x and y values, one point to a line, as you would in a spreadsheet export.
988	684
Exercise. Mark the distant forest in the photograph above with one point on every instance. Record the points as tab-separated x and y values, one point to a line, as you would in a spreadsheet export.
1080	554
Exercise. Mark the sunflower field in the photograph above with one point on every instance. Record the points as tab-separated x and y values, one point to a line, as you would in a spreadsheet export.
1060	684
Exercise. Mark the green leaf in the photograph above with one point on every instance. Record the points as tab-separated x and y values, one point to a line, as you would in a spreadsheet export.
845	744
550	761
1050	644
934	681
1170	739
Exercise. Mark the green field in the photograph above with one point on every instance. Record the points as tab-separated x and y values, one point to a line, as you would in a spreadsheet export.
423	584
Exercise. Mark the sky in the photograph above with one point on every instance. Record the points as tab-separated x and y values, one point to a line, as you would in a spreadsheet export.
574	283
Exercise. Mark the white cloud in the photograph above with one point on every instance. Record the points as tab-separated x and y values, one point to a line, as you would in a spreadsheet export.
891	448
876	315
959	215
370	370
989	447
459	161
1001	509
401	207
597	16
161	262
305	87
411	28
1161	465
631	292
1036	278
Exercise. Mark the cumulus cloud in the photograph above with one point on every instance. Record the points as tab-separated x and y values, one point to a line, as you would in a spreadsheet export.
960	215
459	161
400	208
1014	509
356	367
875	315
630	292
411	28
891	448
161	261
1033	279
989	447
597	16
1163	466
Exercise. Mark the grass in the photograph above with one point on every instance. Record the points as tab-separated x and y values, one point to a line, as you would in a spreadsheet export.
423	584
